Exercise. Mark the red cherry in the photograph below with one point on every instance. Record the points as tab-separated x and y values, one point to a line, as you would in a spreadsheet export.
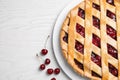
96	22
81	13
110	2
112	51
53	79
96	6
96	59
79	47
96	40
42	67
44	51
115	72
57	71
50	71
47	61
80	29
65	38
111	32
80	65
111	15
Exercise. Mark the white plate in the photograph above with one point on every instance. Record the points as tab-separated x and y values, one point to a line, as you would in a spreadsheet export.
56	43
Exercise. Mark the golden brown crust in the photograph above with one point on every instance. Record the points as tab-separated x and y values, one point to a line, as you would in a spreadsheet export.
62	33
104	42
88	38
117	3
69	51
64	46
64	30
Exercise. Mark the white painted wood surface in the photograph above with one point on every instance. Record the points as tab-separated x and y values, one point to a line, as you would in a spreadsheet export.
24	26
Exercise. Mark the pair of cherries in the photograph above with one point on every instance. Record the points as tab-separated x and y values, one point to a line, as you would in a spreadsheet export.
47	61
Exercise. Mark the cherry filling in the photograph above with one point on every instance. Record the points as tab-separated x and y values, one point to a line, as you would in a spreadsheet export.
96	22
111	15
96	40
95	74
111	32
113	70
81	13
80	65
80	29
96	59
112	51
96	6
65	38
79	47
110	2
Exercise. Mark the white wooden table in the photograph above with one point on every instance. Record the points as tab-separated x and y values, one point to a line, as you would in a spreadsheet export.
24	26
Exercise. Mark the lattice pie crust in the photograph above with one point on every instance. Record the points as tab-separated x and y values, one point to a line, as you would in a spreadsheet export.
90	39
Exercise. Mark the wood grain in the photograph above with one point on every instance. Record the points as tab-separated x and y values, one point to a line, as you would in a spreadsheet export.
24	26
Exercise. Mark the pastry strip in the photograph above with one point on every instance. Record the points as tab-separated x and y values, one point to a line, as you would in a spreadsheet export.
64	30
117	4
79	56
72	53
71	39
88	38
104	59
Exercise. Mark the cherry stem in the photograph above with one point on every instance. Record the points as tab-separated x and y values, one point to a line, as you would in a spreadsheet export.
46	41
39	57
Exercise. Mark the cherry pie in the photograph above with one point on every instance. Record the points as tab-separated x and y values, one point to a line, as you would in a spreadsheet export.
90	39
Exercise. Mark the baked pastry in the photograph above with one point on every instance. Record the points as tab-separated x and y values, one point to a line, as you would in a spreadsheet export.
90	39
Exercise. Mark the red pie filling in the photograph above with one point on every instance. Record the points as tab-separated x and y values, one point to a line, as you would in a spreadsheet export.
79	47
96	40
80	29
112	51
96	22
95	74
110	2
96	59
80	65
111	32
113	70
96	6
111	15
65	38
81	13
